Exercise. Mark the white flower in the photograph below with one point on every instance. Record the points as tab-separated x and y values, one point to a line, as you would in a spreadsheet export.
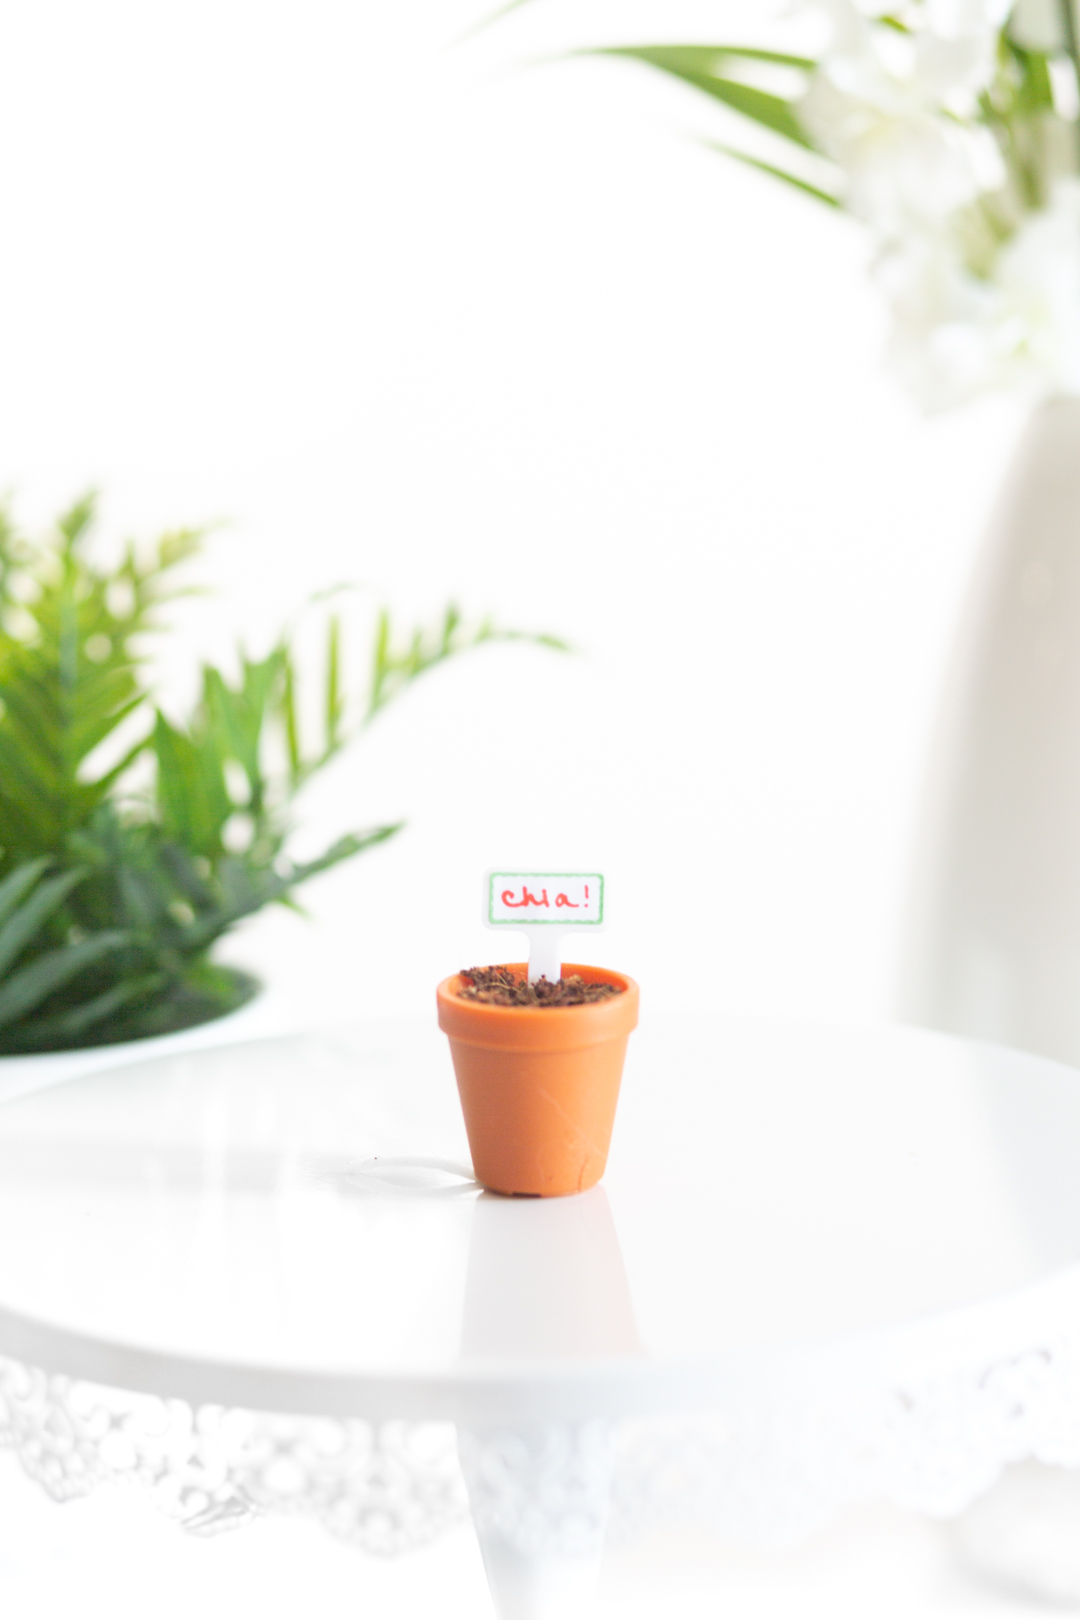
957	19
894	110
1038	25
956	335
943	56
904	165
944	322
1039	277
982	294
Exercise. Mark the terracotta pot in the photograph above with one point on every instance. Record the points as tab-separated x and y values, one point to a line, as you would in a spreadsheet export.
539	1086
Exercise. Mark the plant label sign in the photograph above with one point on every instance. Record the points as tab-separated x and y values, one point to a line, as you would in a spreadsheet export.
544	905
553	899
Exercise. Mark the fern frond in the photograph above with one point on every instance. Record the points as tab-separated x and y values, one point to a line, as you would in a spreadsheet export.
110	903
71	679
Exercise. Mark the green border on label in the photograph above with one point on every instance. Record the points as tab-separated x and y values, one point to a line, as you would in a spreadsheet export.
542	922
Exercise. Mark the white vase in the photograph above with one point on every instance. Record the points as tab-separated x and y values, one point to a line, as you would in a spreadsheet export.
993	938
993	941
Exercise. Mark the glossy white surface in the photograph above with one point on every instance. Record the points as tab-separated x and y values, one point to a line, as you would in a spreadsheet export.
201	1225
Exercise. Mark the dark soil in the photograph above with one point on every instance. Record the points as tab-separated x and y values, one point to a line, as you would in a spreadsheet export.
502	987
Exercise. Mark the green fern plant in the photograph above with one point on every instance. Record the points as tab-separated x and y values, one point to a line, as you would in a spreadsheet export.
130	843
27	901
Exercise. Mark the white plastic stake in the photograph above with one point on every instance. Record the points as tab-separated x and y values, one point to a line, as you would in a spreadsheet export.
545	906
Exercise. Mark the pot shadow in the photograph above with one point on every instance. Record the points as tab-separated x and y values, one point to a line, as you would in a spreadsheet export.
410	1175
546	1281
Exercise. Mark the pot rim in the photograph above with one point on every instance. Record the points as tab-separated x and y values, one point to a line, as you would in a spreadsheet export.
540	1029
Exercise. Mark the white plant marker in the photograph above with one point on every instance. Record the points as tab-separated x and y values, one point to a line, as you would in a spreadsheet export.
545	906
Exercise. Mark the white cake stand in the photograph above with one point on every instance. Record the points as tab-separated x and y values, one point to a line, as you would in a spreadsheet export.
825	1265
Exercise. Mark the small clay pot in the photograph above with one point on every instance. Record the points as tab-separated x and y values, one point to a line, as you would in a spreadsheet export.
539	1085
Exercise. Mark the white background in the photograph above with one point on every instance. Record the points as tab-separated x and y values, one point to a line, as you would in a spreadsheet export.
445	322
468	322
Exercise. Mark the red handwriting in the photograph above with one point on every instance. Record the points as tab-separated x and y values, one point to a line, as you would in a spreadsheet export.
519	897
527	899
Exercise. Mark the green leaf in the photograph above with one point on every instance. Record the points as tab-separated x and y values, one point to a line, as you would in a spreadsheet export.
77	1020
18	883
489	21
191	791
778	174
144	907
695	65
74	523
192	884
537	639
69	685
381	663
121	768
1035	92
24	924
245	891
334	701
702	61
30	986
289	716
392	670
233	720
343	850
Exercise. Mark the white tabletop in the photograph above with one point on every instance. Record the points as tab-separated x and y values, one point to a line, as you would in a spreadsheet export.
225	1226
